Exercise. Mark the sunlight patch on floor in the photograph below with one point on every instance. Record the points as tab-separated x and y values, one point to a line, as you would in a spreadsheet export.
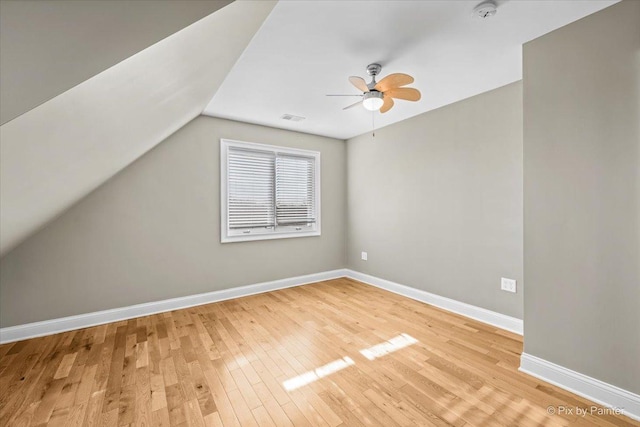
394	344
316	374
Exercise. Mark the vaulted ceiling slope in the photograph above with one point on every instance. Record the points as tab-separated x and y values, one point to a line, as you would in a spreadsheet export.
58	152
47	47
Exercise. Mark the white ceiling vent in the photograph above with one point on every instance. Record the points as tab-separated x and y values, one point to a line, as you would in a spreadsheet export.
292	118
485	10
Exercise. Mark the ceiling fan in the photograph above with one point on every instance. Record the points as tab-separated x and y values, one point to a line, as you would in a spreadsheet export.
380	95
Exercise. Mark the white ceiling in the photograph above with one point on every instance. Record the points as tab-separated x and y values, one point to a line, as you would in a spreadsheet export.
47	47
307	49
55	154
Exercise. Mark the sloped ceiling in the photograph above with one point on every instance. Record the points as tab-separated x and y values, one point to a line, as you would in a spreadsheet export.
56	153
47	47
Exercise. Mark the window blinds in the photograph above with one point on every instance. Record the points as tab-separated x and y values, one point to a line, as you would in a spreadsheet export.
251	192
295	189
270	190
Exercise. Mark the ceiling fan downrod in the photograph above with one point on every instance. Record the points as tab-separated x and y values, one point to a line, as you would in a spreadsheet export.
373	70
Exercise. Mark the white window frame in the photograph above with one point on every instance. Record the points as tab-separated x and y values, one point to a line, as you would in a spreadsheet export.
228	236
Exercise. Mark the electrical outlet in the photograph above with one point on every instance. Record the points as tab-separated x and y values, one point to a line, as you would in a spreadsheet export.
508	285
363	256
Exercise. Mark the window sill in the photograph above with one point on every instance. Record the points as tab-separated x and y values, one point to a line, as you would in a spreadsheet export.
268	236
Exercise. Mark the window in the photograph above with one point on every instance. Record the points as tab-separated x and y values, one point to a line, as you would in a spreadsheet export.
268	192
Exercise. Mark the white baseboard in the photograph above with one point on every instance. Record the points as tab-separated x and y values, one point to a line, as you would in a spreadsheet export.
600	392
481	314
63	324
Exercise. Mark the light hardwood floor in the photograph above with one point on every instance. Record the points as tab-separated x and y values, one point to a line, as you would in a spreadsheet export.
290	357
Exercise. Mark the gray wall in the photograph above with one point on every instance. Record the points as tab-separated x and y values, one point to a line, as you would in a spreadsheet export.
582	196
436	200
153	232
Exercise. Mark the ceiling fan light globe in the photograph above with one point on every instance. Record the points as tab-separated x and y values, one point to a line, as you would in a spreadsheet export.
372	101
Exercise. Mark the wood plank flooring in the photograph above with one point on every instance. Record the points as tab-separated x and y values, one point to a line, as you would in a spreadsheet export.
334	353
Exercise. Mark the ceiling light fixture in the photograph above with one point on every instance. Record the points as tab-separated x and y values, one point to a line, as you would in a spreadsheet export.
372	100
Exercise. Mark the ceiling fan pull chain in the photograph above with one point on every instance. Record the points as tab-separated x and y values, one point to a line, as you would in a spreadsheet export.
373	124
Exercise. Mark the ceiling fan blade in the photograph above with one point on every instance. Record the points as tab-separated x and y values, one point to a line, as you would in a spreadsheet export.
388	103
359	83
393	80
344	95
352	105
406	93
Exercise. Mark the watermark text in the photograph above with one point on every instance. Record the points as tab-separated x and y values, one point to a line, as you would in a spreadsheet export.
582	411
